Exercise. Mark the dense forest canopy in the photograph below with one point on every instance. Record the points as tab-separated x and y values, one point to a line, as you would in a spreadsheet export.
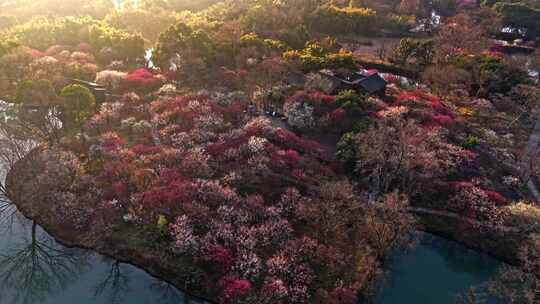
279	151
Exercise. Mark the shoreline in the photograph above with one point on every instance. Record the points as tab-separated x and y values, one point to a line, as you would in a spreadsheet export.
149	263
133	260
501	245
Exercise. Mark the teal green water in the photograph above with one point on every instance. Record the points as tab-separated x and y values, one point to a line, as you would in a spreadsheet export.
435	272
34	269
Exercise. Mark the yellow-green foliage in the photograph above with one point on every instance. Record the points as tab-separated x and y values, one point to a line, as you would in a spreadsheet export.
162	223
148	23
315	57
357	20
334	19
42	33
354	12
7	46
524	214
264	45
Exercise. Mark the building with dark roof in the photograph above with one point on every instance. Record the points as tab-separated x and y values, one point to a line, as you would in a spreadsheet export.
372	84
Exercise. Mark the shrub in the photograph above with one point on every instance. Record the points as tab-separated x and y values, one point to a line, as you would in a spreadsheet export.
162	224
472	141
142	80
79	104
351	100
234	288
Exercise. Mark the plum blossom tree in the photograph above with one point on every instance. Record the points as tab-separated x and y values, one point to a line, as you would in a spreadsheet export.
232	197
397	154
460	35
389	225
111	79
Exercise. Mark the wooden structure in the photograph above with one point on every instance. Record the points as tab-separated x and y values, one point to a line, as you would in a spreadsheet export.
372	84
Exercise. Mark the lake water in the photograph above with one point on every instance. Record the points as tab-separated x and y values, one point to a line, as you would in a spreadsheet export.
35	269
435	272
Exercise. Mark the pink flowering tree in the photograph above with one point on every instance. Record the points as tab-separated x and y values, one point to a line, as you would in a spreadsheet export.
399	154
250	207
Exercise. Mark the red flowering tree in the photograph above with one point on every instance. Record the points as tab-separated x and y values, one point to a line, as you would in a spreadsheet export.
228	195
480	204
142	80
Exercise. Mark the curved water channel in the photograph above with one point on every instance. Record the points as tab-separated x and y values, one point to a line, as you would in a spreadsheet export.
35	269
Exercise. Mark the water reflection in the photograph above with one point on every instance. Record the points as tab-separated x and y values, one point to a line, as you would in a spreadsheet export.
459	259
34	268
38	267
436	271
8	212
114	285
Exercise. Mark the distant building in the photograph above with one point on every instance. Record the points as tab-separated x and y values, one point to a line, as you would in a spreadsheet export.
372	84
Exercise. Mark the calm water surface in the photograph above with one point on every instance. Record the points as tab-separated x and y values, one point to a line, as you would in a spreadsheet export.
35	269
435	272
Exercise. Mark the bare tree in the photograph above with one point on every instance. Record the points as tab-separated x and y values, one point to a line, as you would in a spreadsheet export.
382	51
397	154
12	150
388	225
460	34
12	147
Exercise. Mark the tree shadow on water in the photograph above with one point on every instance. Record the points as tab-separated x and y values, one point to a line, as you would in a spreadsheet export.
31	272
460	259
171	295
114	285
